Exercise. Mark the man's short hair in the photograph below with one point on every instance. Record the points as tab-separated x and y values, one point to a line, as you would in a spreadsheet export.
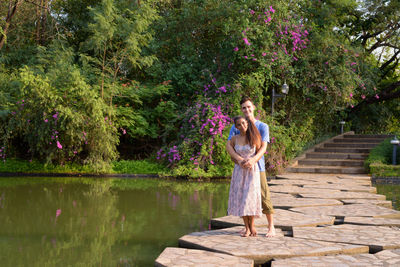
245	99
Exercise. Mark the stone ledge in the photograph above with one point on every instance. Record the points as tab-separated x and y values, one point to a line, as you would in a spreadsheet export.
194	258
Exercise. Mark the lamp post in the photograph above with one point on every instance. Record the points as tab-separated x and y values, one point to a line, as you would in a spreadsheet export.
342	123
395	142
285	91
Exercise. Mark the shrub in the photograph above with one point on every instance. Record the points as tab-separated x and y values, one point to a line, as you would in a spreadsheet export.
380	159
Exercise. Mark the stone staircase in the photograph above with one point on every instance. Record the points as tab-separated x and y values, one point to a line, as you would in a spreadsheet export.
342	154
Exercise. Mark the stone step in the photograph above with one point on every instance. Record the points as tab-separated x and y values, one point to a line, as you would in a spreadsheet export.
358	140
368	136
343	150
332	169
321	155
351	145
332	162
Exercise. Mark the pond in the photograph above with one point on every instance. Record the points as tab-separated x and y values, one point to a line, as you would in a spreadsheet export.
101	222
392	193
106	221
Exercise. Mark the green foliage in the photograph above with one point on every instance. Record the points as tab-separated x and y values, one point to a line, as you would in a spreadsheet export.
380	159
167	76
69	121
143	111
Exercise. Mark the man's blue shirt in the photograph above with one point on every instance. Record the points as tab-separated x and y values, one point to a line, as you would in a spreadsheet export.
264	132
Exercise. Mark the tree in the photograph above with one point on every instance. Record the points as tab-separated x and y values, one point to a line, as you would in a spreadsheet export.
11	11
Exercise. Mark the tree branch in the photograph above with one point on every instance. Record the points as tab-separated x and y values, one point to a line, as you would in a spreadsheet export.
387	63
388	93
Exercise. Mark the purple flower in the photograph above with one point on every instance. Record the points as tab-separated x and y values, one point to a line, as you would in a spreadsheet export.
246	41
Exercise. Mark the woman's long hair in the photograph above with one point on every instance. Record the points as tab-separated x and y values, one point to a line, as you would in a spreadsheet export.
253	136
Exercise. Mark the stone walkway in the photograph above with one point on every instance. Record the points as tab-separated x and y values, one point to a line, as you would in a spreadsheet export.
322	220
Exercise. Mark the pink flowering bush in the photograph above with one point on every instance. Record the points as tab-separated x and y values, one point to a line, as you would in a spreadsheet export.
60	120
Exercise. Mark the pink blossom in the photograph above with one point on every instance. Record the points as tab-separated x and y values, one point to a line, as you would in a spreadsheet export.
271	9
235	49
58	212
363	96
377	96
252	12
59	145
246	41
351	95
46	120
264	54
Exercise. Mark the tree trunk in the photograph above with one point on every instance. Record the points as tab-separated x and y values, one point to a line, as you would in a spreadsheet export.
12	9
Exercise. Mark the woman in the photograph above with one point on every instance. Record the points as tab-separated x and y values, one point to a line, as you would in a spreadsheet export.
245	191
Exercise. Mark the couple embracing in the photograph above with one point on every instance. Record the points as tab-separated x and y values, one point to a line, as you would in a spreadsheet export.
249	196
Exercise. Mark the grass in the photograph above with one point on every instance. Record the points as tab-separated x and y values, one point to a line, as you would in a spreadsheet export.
117	167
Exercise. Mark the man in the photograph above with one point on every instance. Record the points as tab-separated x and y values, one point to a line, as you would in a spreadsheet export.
248	108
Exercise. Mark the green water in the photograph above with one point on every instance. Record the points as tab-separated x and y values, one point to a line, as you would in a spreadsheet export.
100	222
392	193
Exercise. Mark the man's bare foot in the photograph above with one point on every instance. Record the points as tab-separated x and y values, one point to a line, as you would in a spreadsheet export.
271	232
253	232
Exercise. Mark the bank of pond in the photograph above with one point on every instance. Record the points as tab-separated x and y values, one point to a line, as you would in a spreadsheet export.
54	221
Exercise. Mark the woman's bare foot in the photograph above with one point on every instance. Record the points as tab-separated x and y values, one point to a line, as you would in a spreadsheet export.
241	232
271	232
246	233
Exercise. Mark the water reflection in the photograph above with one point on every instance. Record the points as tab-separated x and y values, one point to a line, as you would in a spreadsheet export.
100	222
392	193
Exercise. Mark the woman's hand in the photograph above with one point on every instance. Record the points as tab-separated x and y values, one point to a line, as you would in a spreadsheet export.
243	162
249	163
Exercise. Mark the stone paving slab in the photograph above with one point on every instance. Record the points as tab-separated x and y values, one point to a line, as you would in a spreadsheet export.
192	257
380	259
376	237
329	178
262	249
292	202
291	189
390	256
283	219
355	177
382	203
372	221
353	210
343	187
295	182
275	195
340	195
